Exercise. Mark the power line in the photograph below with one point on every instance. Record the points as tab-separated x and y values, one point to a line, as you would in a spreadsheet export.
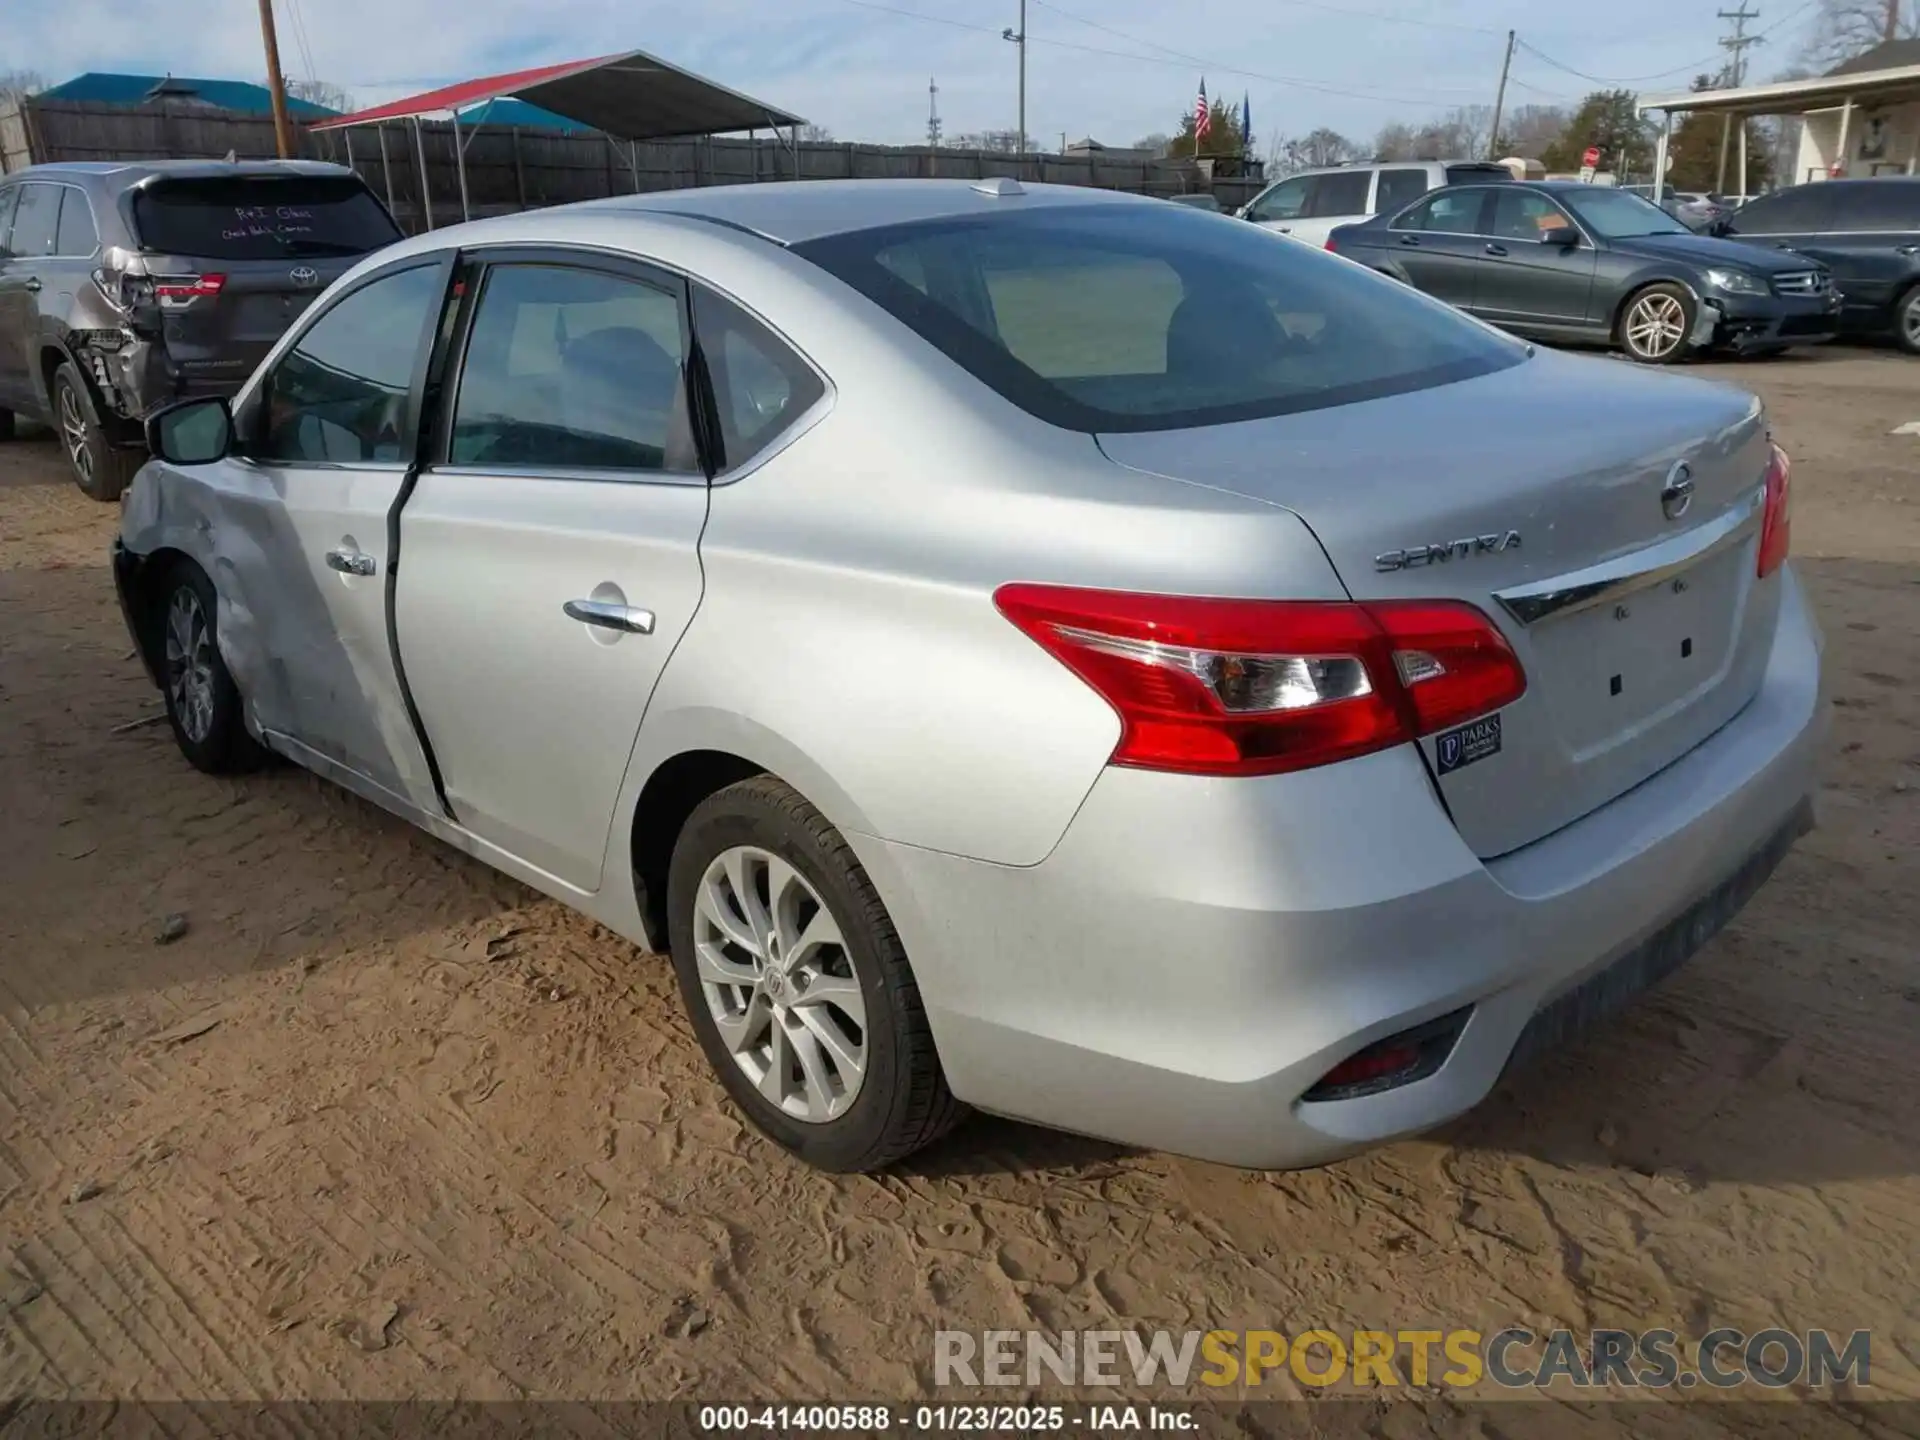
1691	65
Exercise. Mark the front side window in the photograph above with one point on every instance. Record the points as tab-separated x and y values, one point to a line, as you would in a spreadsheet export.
1526	215
1791	212
1398	189
36	222
1285	201
1344	193
342	395
1151	317
573	369
1878	205
1615	215
77	236
760	386
1449	212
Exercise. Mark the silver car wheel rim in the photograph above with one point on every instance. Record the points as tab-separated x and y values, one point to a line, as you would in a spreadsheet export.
1911	320
1656	325
779	982
73	430
189	650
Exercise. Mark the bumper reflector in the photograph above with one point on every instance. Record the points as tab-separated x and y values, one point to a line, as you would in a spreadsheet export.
1398	1060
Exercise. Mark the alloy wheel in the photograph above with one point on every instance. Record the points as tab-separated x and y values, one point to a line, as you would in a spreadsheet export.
1656	325
73	433
778	979
1910	321
189	664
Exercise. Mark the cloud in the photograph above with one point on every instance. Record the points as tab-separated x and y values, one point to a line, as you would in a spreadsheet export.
863	73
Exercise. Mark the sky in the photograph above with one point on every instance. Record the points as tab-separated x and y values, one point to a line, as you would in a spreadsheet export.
1111	69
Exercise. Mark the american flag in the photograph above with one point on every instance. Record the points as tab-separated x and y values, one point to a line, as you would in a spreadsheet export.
1202	117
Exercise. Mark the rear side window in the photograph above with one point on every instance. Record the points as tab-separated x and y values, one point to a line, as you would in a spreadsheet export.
1791	212
573	369
260	218
77	235
1526	215
1342	193
1399	189
1878	205
36	223
760	386
341	395
8	199
1150	317
1448	212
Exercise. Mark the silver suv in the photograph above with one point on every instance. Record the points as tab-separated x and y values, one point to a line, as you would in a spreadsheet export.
1309	205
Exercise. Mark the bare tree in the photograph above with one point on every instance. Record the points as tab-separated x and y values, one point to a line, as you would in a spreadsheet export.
1156	143
18	84
321	92
816	134
1846	28
1000	142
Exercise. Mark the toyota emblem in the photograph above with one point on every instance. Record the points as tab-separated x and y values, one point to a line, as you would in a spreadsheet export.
1677	494
304	276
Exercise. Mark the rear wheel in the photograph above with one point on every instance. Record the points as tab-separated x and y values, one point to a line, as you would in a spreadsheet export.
1655	324
797	983
6	424
203	703
100	469
1906	321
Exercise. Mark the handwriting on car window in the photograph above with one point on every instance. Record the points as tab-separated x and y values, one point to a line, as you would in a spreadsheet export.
270	220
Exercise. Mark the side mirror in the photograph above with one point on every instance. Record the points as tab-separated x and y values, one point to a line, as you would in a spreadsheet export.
1563	237
191	432
1721	228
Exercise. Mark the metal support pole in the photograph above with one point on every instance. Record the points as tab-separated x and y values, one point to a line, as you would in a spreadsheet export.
1846	125
420	154
460	165
348	137
793	133
1660	157
633	163
386	170
1741	173
1726	140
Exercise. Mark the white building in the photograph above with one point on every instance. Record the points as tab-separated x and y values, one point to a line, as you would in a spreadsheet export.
1860	119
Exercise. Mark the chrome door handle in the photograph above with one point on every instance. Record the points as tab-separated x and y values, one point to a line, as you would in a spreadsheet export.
1908	250
609	616
1409	239
1496	249
33	284
351	562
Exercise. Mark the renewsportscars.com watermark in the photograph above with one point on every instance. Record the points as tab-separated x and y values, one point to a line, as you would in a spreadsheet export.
1511	1359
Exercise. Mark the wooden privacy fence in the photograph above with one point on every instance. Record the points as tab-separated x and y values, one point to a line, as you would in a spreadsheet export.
509	168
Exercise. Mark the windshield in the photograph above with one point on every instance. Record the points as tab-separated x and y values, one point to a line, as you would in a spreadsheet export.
263	217
1154	317
1616	215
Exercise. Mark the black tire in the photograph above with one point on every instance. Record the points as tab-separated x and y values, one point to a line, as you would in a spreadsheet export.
1665	295
214	740
101	470
6	424
902	1102
1906	321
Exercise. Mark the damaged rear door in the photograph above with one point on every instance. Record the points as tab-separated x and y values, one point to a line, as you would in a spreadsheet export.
327	440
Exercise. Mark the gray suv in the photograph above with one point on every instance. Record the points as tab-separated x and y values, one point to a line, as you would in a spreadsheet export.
128	284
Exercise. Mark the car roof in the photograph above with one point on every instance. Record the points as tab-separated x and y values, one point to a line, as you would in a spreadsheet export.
793	211
132	172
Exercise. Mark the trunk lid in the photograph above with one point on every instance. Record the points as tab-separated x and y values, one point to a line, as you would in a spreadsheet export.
1536	494
234	260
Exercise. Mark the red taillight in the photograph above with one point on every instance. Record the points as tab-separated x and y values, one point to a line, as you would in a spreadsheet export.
1775	523
183	288
1329	244
1257	687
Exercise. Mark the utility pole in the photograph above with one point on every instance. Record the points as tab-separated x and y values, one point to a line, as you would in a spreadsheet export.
933	113
1736	47
1892	32
1021	40
1500	101
276	84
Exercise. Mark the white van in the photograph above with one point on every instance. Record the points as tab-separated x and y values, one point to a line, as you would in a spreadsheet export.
1309	205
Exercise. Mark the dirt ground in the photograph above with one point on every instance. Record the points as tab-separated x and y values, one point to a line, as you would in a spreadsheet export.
383	1124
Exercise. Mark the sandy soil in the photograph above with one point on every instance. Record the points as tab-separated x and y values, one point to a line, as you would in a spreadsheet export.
383	1124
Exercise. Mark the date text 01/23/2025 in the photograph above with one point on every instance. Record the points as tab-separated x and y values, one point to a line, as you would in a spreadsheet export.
962	1419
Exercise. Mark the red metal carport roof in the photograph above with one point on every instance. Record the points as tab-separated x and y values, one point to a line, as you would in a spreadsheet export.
633	96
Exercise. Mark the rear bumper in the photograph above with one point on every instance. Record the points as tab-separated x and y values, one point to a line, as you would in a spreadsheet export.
1195	954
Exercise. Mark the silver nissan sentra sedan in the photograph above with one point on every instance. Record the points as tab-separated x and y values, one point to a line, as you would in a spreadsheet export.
1029	649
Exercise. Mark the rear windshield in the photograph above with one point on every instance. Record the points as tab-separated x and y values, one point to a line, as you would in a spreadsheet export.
261	218
1155	317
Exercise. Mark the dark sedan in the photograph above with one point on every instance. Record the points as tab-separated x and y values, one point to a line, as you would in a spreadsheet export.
1589	263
